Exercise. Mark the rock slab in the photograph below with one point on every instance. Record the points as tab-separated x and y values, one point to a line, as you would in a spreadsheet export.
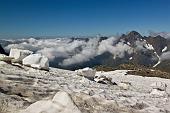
36	61
61	103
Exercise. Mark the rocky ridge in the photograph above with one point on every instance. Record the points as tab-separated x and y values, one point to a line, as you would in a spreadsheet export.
22	88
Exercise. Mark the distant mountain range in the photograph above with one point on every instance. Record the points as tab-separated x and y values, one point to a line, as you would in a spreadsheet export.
131	48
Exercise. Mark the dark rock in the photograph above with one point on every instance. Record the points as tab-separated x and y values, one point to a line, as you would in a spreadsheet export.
158	42
2	51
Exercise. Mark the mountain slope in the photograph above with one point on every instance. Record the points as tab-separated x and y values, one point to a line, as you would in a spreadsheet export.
22	88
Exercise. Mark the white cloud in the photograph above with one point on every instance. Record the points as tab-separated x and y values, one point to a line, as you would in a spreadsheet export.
88	51
117	50
74	51
53	53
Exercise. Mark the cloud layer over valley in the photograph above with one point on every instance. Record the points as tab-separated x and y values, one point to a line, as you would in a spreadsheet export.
72	52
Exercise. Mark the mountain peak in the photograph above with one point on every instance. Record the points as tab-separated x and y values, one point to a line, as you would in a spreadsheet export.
131	37
134	33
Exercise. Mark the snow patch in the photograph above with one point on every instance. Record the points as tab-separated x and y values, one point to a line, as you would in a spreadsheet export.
130	58
164	49
128	43
149	46
159	60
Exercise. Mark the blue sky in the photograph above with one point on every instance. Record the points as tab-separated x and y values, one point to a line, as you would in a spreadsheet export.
82	17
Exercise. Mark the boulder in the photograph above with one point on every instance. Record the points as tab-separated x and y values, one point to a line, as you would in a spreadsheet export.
36	61
86	72
159	86
19	54
61	103
101	78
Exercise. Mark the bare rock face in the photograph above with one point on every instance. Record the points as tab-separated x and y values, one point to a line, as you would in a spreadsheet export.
37	61
158	42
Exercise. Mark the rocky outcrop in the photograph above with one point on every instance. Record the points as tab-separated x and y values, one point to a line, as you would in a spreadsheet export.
23	88
158	42
25	57
131	37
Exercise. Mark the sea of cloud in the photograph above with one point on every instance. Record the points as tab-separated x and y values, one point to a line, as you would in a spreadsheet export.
72	50
65	52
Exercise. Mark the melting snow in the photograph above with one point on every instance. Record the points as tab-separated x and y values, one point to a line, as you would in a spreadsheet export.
149	46
128	43
130	58
164	49
159	60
